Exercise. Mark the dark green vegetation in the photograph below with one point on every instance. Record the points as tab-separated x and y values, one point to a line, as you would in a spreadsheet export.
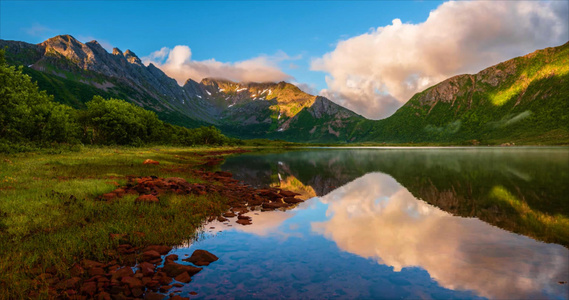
522	190
29	118
49	215
521	101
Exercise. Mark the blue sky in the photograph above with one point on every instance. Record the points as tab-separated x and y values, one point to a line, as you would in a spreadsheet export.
345	50
225	30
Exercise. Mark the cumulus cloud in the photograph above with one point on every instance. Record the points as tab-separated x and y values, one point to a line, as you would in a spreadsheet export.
178	64
38	30
376	72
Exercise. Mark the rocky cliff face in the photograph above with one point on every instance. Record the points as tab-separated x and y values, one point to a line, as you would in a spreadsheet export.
63	64
118	74
269	109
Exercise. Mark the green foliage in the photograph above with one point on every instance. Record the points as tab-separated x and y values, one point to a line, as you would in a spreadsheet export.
30	116
118	122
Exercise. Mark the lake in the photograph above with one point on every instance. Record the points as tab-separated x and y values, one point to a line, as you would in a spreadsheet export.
391	223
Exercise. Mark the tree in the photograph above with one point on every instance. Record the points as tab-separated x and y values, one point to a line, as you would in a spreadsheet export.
28	115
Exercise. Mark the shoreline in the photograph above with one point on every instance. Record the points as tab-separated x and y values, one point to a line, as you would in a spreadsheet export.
87	277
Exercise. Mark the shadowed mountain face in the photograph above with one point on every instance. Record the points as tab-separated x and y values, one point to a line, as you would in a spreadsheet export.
520	190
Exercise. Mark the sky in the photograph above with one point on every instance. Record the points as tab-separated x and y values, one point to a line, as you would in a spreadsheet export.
369	56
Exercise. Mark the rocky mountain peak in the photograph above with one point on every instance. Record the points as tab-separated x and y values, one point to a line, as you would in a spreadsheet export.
62	39
96	47
132	58
117	51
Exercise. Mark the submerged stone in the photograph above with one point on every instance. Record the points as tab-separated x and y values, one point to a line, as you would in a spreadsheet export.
201	258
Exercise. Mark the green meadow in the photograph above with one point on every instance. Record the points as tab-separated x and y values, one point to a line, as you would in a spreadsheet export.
51	218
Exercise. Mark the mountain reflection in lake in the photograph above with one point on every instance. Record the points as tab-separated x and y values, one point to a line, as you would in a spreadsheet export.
419	223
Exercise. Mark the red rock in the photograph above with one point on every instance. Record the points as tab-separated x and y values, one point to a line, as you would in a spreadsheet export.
132	282
177	284
150	162
124	272
292	200
146	268
164	280
89	288
221	219
137	292
243	217
76	270
96	271
244	222
119	192
113	268
165	288
156	261
171	257
116	289
223	174
87	264
70	283
150	255
273	205
126	250
153	284
174	269
229	214
147	199
103	296
184	277
154	296
176	180
163	250
201	258
288	194
176	297
193	293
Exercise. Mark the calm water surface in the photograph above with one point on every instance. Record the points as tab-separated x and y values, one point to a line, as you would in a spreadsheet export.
397	223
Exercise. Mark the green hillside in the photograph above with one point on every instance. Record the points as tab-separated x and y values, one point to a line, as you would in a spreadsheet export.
523	101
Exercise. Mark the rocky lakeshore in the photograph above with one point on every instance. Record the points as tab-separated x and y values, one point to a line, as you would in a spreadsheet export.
131	272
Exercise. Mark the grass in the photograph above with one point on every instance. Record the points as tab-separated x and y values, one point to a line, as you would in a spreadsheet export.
50	217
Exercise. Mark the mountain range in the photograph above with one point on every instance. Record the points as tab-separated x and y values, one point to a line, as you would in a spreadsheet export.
523	100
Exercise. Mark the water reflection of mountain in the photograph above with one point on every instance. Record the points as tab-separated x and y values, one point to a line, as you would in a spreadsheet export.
521	190
376	218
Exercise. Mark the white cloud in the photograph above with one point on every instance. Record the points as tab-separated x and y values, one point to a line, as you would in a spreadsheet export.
37	30
308	88
376	72
178	64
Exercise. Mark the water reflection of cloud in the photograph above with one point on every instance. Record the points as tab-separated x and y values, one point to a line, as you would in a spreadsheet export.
374	217
263	223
